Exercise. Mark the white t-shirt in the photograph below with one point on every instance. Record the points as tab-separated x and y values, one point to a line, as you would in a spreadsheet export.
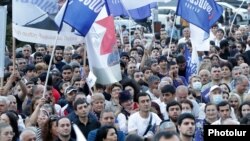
162	108
139	124
123	123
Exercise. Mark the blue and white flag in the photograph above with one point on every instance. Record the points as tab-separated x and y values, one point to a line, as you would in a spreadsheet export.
133	4
203	13
192	61
116	8
81	14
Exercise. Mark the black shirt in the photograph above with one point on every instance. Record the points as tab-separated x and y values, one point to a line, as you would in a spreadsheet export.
91	125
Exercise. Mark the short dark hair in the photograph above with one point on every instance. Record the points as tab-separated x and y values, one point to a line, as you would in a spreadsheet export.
223	103
67	67
165	135
173	103
78	102
142	94
171	63
184	116
168	89
58	120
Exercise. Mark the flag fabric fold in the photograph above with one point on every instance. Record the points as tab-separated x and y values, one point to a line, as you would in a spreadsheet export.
103	54
133	4
139	12
81	14
203	13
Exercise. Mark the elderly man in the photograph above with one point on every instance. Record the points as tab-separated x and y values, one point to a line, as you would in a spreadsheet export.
241	86
182	94
28	134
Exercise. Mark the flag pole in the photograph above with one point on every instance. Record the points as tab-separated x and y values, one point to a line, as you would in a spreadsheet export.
172	32
49	67
14	53
238	9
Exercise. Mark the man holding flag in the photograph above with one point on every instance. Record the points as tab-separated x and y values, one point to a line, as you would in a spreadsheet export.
201	15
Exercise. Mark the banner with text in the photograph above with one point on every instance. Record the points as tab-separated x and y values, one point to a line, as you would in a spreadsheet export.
34	22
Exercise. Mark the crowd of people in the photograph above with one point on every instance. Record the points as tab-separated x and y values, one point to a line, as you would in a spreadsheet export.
155	100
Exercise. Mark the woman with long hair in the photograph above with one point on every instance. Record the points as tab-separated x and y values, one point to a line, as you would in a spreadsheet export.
49	129
11	119
6	132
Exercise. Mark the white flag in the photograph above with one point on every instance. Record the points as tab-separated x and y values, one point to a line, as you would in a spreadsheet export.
79	135
197	38
91	79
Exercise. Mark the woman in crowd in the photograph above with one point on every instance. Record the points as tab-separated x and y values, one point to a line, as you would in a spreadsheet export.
211	115
235	102
6	132
49	132
11	119
106	133
244	109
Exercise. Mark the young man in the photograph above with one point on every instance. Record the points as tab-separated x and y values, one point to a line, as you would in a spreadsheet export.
144	123
186	126
64	129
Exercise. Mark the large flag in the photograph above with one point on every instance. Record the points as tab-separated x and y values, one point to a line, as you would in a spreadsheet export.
81	14
103	54
203	13
49	6
116	8
197	38
33	21
133	4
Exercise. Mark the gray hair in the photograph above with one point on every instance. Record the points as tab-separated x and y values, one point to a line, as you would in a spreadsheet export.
97	96
26	130
4	99
167	126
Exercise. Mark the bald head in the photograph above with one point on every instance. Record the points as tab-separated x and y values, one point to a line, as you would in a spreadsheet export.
28	134
181	92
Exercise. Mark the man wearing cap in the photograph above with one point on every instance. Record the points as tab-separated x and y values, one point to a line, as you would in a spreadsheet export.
67	103
215	97
126	102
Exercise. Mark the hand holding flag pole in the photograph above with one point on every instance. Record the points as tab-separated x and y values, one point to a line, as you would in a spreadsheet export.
49	67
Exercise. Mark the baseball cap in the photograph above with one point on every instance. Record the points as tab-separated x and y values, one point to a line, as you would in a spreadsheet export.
70	89
213	88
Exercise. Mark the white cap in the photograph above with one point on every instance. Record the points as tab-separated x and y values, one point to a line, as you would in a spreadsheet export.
214	87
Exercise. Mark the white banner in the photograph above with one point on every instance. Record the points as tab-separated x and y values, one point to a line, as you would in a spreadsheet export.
3	22
32	24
